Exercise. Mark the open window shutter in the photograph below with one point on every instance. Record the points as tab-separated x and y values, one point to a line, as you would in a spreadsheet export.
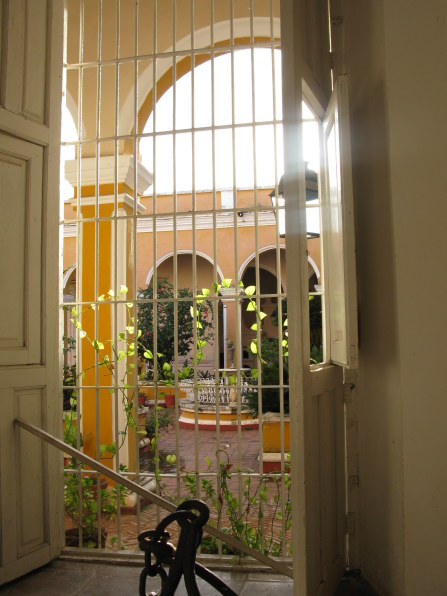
338	230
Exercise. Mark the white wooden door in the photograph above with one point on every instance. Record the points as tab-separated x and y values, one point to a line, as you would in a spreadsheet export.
318	409
30	99
329	402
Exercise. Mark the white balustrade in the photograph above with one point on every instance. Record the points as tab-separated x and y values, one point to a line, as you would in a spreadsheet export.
207	389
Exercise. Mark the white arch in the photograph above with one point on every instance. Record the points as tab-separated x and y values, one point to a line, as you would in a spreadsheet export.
272	272
182	252
314	266
67	275
241	28
273	247
253	256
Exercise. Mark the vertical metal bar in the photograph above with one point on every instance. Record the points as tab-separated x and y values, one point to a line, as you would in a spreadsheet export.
236	262
217	301
175	260
80	394
154	237
258	295
96	268
278	290
194	250
114	266
134	228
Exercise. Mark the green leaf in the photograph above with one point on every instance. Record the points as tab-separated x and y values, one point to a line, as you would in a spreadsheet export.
254	327
226	282
205	292
82	334
123	289
253	347
148	354
254	373
74	312
208	462
130	329
286	323
251	306
101	298
232	380
93	306
166	367
111	293
78	325
262	315
122	335
250	290
216	287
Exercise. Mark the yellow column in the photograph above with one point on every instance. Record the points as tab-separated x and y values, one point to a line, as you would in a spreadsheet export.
101	241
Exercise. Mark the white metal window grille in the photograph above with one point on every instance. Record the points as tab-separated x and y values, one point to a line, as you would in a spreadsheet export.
171	277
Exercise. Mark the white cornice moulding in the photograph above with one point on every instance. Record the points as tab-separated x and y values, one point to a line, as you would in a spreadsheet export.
123	198
204	221
184	221
125	172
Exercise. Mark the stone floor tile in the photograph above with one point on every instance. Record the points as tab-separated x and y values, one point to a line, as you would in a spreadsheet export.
260	588
48	582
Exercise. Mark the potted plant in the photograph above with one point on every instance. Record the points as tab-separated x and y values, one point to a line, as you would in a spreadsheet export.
158	420
91	508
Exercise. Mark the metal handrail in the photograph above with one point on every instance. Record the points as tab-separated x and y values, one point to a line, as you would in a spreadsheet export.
154	498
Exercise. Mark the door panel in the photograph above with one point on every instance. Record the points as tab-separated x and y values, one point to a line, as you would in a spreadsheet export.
31	503
325	481
21	173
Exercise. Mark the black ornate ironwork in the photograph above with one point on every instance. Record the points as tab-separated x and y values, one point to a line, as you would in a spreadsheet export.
191	516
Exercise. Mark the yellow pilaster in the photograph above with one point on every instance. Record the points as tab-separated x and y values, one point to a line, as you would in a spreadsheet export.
107	241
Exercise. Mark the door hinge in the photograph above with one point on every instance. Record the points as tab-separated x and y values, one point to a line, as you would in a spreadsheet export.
350	377
350	523
332	60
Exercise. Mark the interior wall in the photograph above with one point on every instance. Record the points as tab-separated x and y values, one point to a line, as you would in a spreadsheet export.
395	55
417	99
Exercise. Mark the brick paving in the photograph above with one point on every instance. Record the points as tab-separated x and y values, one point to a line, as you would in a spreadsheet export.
245	458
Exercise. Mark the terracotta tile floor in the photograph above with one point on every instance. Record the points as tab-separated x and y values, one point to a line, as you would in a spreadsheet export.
246	457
